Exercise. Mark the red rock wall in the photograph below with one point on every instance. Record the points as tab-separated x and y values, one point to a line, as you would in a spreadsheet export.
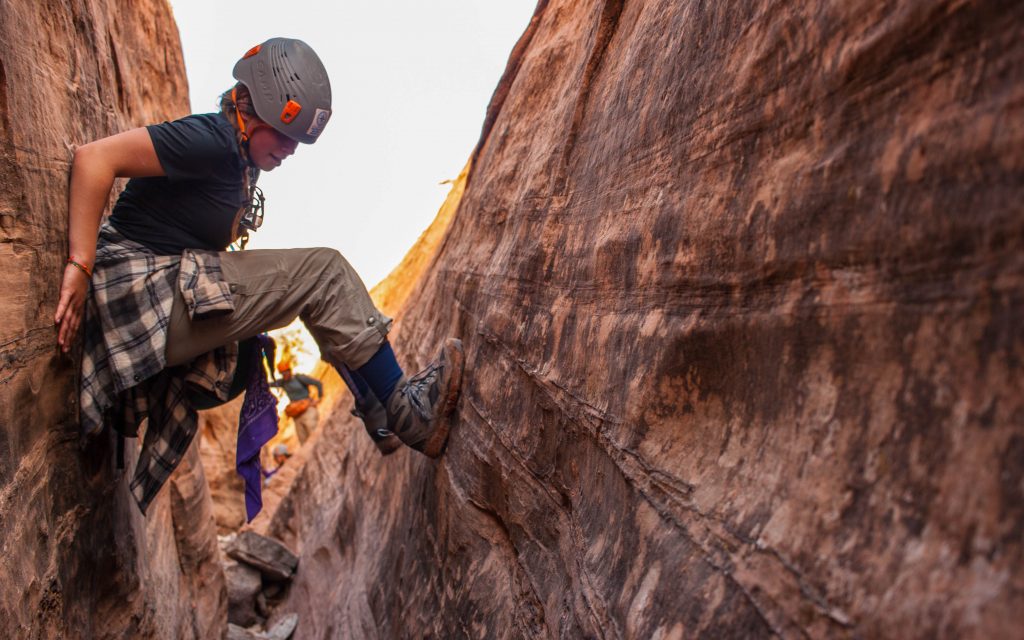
741	286
78	561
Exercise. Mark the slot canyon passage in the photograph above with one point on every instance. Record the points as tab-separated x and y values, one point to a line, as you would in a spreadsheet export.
741	289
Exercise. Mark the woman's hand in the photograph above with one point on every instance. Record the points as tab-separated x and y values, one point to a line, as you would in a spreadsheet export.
73	291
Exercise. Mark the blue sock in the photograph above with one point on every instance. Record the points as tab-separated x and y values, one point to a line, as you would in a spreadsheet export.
355	383
381	373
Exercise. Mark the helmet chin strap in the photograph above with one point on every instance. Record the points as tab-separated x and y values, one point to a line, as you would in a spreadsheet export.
243	142
238	115
251	173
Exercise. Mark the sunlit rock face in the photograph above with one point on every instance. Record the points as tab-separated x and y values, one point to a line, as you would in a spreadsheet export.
741	287
78	560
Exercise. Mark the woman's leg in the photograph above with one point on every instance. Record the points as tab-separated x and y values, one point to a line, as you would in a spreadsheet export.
272	287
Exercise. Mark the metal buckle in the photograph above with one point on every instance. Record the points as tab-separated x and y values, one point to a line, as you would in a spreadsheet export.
252	218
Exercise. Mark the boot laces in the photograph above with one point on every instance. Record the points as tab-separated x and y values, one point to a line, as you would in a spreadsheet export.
417	389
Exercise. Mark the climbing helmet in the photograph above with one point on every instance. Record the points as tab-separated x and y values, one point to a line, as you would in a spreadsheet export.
289	87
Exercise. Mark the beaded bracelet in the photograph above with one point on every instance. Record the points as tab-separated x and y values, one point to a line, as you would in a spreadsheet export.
81	266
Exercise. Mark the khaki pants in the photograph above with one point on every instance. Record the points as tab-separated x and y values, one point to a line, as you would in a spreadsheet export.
305	423
273	287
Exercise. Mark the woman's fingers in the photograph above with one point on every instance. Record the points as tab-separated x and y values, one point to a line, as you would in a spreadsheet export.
63	307
69	326
60	309
69	309
68	330
65	331
63	316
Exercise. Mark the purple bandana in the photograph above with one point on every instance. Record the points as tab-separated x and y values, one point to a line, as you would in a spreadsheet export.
257	423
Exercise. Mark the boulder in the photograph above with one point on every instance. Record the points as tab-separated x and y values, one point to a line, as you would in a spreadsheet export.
280	631
284	628
236	632
243	583
270	557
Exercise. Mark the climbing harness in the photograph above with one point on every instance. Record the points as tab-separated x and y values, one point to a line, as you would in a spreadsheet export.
252	215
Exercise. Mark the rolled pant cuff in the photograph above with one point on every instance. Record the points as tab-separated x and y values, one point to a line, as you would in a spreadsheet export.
358	351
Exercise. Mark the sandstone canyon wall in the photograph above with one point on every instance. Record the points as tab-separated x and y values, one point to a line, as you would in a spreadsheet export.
78	560
741	286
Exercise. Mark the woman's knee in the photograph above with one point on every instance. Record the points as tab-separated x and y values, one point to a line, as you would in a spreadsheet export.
327	259
329	263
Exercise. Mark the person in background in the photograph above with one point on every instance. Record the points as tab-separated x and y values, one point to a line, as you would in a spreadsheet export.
280	455
301	406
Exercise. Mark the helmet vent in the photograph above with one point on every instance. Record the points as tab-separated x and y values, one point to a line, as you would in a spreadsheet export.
285	77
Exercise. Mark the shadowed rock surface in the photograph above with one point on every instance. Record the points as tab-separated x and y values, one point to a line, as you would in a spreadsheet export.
243	583
78	560
741	287
218	441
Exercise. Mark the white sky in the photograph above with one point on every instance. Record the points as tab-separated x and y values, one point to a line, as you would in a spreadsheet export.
410	81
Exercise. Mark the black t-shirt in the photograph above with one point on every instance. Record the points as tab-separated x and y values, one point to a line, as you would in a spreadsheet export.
194	205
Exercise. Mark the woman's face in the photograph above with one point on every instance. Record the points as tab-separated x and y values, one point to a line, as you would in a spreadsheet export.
268	147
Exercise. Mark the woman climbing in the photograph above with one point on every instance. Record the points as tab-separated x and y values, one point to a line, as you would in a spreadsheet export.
164	304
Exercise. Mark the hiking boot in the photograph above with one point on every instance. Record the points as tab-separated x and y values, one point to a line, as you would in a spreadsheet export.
419	408
375	419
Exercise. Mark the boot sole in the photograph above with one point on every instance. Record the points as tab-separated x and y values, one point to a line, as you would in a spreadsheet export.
435	444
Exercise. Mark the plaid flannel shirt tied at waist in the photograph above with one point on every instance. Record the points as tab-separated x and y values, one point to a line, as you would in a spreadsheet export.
124	378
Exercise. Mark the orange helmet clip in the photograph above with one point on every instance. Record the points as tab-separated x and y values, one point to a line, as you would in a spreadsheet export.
291	109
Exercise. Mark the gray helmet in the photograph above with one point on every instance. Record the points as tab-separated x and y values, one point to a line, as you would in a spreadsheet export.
289	87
